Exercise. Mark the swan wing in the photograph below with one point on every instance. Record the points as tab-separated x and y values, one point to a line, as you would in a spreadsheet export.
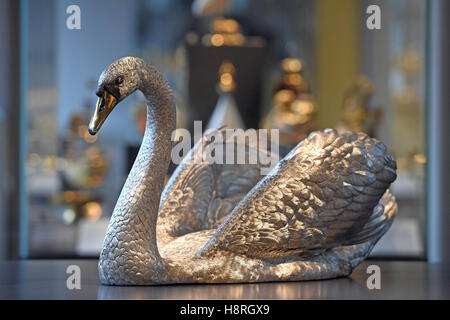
323	194
201	194
379	222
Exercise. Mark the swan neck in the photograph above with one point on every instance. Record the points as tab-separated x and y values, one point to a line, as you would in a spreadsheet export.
152	162
131	235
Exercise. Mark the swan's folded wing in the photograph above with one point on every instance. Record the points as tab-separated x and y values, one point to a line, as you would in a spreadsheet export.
200	194
320	196
181	212
378	223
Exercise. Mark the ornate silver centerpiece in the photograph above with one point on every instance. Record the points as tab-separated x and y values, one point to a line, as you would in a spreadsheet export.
316	215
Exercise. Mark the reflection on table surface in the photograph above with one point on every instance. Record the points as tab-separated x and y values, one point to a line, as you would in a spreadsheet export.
46	279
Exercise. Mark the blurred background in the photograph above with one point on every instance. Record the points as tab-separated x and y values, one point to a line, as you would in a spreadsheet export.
294	65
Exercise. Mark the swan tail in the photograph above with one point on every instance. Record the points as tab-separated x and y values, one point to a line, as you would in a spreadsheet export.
342	260
356	250
378	223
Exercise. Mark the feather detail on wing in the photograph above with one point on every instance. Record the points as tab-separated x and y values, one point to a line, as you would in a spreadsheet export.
201	194
321	195
378	223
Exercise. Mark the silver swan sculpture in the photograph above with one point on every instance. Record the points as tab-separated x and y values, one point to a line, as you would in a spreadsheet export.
316	215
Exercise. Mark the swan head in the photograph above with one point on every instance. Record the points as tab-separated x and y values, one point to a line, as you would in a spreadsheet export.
120	79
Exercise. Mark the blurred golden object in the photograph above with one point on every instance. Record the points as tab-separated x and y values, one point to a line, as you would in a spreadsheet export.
356	113
82	167
291	65
97	165
92	210
49	164
221	25
224	32
409	62
294	108
69	196
87	170
420	158
79	204
227	73
226	111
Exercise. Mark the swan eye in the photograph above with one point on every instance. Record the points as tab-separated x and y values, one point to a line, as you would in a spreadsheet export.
119	80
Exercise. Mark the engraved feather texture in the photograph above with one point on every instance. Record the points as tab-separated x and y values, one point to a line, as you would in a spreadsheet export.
316	215
200	195
321	195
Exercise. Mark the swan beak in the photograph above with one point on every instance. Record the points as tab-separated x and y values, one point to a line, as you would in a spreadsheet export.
105	104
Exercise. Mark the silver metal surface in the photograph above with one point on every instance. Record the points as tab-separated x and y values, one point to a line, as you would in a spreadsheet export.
316	215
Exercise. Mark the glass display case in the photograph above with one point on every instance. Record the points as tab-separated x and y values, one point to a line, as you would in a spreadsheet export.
300	66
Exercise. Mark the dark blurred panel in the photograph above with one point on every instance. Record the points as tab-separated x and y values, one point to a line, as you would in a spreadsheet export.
203	65
9	128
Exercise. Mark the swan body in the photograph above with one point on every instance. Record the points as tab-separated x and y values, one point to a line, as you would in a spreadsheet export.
316	215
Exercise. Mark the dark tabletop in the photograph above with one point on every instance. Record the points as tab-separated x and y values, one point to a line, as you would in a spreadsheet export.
46	279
